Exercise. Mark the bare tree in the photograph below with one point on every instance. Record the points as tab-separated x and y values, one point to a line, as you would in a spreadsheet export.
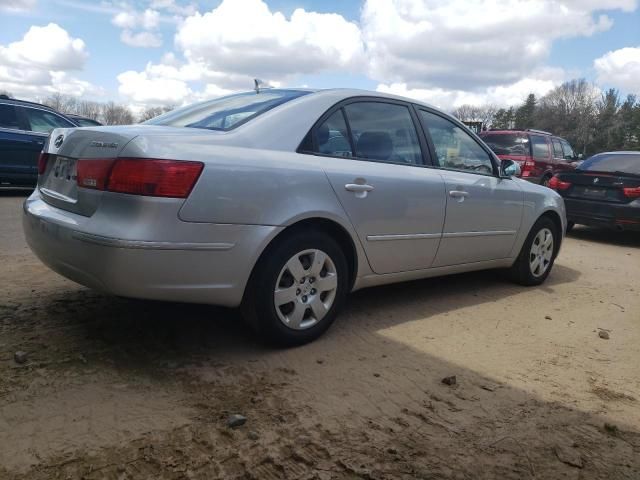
151	112
89	109
114	114
484	114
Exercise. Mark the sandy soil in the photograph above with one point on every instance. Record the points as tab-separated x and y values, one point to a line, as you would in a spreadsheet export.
117	388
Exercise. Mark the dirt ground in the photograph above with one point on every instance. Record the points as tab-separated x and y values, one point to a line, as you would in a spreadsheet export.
120	389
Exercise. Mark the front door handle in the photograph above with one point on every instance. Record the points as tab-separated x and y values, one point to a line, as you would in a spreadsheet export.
459	195
360	189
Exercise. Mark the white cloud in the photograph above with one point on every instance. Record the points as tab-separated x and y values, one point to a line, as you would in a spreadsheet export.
472	44
28	69
141	39
501	95
49	47
144	88
620	69
17	5
245	37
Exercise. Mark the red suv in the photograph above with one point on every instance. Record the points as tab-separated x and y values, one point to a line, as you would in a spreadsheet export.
540	154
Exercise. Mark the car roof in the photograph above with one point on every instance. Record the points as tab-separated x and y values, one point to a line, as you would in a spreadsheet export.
622	152
15	101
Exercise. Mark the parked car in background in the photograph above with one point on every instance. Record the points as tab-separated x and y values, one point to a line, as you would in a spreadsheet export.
84	121
604	191
283	201
24	127
540	154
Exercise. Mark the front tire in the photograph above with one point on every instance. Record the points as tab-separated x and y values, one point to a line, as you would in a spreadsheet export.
534	263
297	288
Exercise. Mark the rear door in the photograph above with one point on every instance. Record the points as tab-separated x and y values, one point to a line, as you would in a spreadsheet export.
16	147
568	156
374	161
483	211
560	163
543	161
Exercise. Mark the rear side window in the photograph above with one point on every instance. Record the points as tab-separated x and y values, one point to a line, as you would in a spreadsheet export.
539	147
507	143
226	113
43	122
332	136
567	150
9	117
383	132
624	163
557	149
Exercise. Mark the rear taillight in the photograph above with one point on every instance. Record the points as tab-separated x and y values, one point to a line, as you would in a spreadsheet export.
140	176
633	192
527	167
42	162
94	173
557	184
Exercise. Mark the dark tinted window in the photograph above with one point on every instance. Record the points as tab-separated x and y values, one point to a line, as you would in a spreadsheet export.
332	137
455	148
43	122
87	122
567	150
227	112
557	149
507	143
539	147
608	162
383	132
8	117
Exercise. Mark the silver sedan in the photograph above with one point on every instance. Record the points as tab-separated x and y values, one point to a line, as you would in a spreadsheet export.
281	202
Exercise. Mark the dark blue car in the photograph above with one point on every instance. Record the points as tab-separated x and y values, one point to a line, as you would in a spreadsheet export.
24	127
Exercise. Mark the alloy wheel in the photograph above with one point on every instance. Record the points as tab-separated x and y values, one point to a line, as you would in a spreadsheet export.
306	289
541	252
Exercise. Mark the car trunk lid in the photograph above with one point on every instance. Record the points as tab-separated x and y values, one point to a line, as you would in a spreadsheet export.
602	186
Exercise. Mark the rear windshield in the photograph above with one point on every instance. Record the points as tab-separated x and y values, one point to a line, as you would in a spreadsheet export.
227	112
607	162
507	143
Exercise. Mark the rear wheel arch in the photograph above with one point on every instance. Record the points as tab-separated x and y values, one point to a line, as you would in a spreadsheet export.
331	227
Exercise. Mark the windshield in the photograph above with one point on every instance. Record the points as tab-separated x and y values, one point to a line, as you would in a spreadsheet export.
227	112
612	162
507	143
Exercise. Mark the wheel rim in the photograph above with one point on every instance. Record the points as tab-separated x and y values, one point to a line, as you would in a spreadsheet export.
541	252
306	289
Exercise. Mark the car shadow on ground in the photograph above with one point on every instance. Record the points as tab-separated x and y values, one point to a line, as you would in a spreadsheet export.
367	405
611	237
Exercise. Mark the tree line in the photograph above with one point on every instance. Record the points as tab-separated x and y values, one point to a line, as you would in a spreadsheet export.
107	113
591	120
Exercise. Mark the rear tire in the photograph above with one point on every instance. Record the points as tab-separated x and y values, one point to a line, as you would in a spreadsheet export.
535	261
297	288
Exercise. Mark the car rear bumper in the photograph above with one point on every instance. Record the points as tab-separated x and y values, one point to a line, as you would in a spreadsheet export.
604	215
214	271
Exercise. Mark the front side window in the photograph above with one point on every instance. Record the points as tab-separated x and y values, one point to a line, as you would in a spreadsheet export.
227	112
539	147
383	132
43	122
568	151
9	117
557	149
455	148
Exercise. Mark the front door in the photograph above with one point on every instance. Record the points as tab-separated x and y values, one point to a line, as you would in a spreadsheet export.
483	212
375	166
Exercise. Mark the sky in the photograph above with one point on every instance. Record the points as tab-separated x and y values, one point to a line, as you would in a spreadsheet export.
445	52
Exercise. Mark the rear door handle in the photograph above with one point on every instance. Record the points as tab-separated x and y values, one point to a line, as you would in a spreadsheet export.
360	189
460	195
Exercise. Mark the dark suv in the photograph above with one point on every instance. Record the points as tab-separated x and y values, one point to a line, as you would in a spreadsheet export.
24	127
540	154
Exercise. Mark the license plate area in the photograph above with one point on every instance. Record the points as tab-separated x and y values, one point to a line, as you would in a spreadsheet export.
594	192
64	169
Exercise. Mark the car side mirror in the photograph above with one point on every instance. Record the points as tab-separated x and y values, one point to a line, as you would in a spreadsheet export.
509	168
579	157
